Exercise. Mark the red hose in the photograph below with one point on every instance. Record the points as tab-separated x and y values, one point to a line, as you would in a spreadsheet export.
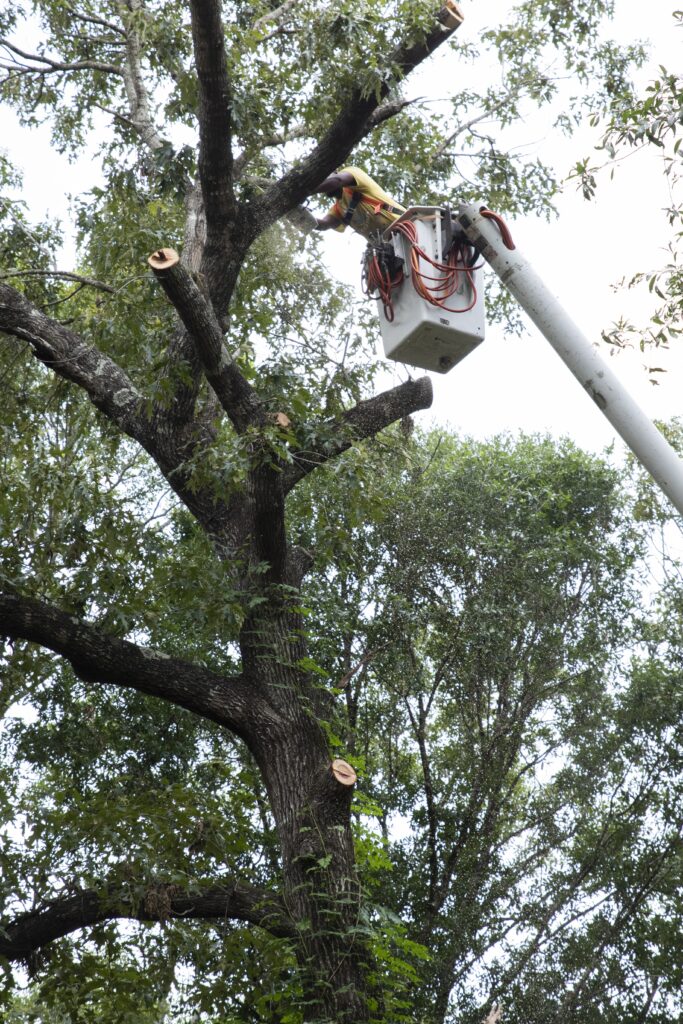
449	274
502	226
433	289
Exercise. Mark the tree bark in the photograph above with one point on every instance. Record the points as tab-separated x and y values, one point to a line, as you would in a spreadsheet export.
310	796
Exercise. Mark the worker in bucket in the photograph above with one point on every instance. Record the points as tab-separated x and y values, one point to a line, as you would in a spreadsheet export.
360	204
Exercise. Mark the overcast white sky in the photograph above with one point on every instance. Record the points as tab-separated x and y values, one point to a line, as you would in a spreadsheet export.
509	383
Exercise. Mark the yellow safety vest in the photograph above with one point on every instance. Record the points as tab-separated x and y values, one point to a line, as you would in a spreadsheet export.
365	206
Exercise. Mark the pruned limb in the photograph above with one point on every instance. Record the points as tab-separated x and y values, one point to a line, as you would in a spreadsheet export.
352	123
215	148
343	773
183	369
234	392
27	933
327	809
99	658
365	420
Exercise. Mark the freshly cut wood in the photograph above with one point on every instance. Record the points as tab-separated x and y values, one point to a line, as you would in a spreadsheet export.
162	259
451	15
343	772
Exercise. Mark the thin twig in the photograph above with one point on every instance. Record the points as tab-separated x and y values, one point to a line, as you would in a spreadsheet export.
56	65
66	275
94	20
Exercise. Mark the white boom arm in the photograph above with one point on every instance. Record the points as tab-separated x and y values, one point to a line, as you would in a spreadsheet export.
640	434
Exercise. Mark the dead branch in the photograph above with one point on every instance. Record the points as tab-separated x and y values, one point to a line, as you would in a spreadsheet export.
48	66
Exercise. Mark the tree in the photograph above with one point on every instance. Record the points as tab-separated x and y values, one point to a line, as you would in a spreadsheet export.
184	765
651	119
523	772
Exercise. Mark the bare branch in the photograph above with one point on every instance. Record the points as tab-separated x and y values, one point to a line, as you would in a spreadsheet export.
494	1015
64	274
388	110
136	90
235	394
48	66
365	420
93	19
30	932
99	658
277	15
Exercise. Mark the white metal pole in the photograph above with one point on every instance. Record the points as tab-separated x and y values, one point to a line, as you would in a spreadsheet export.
611	397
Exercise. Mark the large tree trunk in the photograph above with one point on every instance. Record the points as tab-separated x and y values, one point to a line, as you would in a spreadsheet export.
310	797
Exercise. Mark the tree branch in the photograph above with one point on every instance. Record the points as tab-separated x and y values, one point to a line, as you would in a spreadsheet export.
365	420
277	15
30	932
99	658
388	110
48	66
95	20
234	392
301	131
65	352
215	149
136	90
63	274
353	122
